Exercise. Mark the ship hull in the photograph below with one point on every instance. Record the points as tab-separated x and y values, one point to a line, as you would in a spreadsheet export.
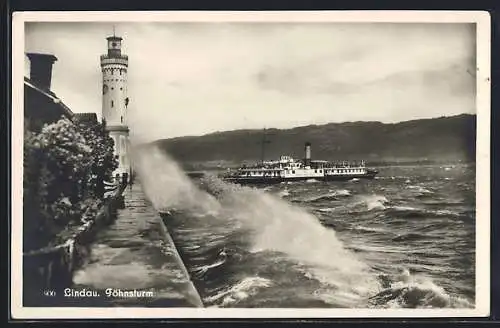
349	177
254	180
275	180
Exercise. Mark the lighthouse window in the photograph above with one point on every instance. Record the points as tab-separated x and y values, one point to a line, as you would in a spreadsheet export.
320	171
121	119
112	88
112	103
293	172
121	88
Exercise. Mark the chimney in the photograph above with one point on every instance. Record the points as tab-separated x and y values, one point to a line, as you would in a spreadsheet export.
307	160
41	69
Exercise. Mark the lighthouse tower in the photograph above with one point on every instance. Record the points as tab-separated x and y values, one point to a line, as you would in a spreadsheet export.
114	67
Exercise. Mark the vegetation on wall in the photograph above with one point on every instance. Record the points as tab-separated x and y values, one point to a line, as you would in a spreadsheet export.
64	169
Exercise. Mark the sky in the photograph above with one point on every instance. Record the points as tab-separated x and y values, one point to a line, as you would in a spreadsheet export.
197	78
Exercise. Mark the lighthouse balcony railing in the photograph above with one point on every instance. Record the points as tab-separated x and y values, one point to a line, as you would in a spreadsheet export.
106	59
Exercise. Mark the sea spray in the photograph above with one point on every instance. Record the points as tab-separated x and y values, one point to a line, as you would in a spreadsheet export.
167	186
279	226
272	224
279	256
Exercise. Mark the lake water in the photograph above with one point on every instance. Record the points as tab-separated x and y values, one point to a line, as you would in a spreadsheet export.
405	239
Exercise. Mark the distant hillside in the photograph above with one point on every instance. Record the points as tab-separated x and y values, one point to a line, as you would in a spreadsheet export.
438	139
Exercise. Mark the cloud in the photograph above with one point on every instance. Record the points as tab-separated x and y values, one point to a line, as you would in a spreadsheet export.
195	78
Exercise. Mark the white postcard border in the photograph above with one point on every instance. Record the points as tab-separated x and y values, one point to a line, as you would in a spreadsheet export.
483	30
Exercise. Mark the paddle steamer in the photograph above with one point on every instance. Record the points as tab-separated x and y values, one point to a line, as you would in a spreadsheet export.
291	169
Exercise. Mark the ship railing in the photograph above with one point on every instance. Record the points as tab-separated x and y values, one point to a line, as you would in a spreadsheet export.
259	169
344	165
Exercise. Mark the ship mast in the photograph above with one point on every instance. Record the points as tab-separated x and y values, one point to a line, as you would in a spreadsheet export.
263	142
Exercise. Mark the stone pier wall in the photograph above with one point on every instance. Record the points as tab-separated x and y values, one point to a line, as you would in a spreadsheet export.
198	302
52	268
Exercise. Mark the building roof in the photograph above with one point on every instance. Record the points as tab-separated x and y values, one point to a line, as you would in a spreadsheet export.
50	95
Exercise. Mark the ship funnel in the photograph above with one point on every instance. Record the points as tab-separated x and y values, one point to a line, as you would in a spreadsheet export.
307	149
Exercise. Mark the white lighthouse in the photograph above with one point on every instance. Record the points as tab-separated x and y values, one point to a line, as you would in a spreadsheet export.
114	67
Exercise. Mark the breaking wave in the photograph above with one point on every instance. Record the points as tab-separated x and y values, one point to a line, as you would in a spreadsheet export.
247	287
263	230
273	224
408	211
281	227
420	191
414	291
332	195
374	202
199	272
284	193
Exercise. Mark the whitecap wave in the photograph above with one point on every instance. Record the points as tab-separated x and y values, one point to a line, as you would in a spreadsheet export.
370	229
284	193
245	288
374	202
414	291
326	210
331	195
272	225
199	272
421	191
409	211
